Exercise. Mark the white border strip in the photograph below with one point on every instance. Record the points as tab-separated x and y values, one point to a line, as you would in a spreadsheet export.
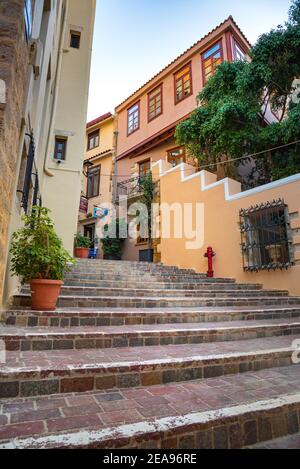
225	182
84	438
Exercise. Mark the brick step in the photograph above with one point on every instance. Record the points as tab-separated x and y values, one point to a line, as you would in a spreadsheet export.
285	442
158	293
182	279
118	317
161	285
232	412
23	299
152	271
36	373
44	338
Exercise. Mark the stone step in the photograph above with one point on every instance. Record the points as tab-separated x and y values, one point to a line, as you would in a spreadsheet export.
118	317
223	413
23	299
26	374
55	338
140	284
285	442
158	293
182	279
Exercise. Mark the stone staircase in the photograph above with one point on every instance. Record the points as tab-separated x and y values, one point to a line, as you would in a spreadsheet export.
147	356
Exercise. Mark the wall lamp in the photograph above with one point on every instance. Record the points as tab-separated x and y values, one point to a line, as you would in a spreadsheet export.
86	165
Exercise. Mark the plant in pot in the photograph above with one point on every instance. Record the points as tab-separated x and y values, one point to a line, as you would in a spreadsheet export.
112	241
82	246
148	188
38	256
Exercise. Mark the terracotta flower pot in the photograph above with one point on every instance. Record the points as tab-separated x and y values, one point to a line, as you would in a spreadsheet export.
44	294
82	253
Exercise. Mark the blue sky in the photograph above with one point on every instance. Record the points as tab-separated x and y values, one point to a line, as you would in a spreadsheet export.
134	39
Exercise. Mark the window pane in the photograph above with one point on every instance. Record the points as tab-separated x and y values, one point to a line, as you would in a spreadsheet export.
211	51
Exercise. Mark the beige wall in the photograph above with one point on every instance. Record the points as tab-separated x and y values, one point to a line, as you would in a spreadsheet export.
222	202
55	105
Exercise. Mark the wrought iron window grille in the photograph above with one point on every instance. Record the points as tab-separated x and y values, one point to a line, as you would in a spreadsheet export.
265	237
130	187
37	199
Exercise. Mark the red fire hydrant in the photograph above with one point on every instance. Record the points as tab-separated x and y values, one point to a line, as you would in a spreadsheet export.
210	254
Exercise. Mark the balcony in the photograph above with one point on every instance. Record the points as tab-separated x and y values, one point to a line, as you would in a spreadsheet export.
130	188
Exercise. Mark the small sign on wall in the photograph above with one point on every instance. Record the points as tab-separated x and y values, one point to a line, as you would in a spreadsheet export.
100	213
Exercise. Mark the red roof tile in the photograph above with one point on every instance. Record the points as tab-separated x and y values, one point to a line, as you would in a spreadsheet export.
187	50
99	119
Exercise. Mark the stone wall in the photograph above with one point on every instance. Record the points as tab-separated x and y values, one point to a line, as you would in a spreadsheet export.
14	59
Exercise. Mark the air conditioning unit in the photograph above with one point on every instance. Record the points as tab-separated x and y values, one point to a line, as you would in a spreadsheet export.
36	56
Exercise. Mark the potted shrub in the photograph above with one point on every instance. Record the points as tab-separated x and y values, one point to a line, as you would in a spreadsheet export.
82	246
112	242
38	256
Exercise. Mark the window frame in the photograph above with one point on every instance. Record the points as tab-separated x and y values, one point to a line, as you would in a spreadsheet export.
177	101
160	88
219	42
137	103
90	136
141	163
94	170
235	44
177	148
74	33
59	140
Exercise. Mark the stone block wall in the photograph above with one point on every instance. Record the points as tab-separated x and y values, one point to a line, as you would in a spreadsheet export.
14	60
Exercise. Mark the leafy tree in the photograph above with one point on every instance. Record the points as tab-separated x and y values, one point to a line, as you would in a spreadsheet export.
229	121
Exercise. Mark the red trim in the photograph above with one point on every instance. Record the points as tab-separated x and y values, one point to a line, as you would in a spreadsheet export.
99	119
188	64
153	137
138	103
220	41
228	37
161	102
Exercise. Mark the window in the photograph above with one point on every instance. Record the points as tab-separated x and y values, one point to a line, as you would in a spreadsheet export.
144	168
155	103
133	118
93	140
75	39
93	182
183	83
176	156
265	237
28	18
238	52
60	148
210	60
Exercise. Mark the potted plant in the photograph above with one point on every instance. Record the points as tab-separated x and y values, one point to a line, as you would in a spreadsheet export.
112	242
82	246
148	188
38	256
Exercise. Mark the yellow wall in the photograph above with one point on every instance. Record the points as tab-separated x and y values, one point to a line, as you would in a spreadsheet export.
222	202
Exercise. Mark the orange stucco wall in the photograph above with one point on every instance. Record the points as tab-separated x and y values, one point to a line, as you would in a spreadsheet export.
221	218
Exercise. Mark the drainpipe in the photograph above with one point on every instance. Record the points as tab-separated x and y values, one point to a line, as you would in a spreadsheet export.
116	133
56	81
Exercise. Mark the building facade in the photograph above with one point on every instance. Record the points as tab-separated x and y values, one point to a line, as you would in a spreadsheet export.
45	75
147	119
97	179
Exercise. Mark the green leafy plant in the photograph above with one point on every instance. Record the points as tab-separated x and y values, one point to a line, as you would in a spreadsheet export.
147	197
81	241
37	251
112	242
230	123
